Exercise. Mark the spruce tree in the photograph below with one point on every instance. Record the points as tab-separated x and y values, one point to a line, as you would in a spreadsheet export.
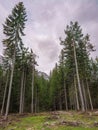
13	29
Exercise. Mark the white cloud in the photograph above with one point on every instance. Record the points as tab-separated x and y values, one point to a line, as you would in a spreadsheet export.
47	20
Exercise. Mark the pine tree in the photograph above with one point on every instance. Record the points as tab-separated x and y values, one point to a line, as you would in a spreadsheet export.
24	58
32	64
62	76
75	50
13	29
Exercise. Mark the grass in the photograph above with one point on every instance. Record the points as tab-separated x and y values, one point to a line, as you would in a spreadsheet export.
52	121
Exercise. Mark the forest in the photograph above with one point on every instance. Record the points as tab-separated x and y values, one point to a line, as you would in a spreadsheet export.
70	86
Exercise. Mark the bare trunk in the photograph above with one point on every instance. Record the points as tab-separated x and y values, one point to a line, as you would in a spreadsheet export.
36	101
10	86
78	79
84	93
91	105
32	103
60	103
21	93
54	105
65	96
23	104
70	101
5	91
76	93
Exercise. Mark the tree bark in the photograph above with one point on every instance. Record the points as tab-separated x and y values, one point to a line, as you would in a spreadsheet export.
23	98
76	93
84	95
60	103
36	100
78	79
32	103
65	96
91	105
5	92
10	86
21	93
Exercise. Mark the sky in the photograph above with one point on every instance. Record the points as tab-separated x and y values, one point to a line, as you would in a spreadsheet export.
46	22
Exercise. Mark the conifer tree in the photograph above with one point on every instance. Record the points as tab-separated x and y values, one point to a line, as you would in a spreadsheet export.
13	29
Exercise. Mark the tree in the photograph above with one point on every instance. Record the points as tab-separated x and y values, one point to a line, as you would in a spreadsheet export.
13	29
78	79
23	68
76	47
62	76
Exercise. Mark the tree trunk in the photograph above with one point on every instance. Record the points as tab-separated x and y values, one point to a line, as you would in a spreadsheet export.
23	98
21	93
32	103
54	104
65	96
78	79
36	100
10	86
5	91
84	95
91	105
60	102
76	93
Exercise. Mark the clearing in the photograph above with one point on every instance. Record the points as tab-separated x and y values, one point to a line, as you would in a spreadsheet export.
59	120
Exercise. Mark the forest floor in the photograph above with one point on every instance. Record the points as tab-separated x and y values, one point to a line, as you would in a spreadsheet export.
59	120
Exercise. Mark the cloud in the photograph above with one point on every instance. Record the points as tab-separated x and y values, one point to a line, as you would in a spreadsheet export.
47	20
87	12
49	47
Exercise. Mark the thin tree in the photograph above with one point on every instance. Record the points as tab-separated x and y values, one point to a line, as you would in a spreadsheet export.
78	78
33	62
23	66
76	94
5	92
13	29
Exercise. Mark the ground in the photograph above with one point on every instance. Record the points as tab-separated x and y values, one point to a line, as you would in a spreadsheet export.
59	120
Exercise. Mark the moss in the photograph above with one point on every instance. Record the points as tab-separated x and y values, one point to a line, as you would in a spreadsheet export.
43	122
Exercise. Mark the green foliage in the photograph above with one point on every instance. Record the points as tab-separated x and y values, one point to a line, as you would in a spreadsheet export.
13	29
61	91
63	76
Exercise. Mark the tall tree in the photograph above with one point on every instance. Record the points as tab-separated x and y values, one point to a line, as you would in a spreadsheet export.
23	67
13	29
62	71
76	47
33	63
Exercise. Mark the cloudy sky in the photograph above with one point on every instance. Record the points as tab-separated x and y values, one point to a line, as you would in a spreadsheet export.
47	20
